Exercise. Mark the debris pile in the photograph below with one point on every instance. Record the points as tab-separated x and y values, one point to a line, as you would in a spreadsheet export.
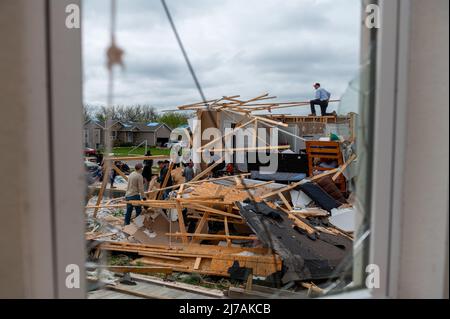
234	226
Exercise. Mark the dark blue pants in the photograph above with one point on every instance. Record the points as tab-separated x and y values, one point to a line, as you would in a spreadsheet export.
323	106
130	208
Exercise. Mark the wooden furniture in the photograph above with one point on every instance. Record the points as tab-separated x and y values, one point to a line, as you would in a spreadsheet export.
321	151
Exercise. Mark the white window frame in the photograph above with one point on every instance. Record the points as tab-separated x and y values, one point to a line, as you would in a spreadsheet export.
389	138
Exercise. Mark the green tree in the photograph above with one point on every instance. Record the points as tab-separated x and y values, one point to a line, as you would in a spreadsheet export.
174	119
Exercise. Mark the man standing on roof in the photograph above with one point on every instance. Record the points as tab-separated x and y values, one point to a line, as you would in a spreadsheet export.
135	191
322	99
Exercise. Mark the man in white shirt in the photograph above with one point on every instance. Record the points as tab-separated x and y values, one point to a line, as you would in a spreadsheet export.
322	98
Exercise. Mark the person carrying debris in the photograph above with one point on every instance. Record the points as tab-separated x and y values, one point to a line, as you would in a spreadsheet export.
322	98
135	191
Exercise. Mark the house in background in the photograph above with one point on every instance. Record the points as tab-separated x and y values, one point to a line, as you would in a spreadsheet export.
125	133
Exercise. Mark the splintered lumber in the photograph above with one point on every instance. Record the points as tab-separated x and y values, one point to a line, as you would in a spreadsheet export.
285	201
97	236
210	210
301	224
214	236
245	186
317	212
231	194
118	171
207	170
215	260
146	254
200	226
343	167
294	185
148	261
197	182
225	135
263	119
102	188
211	219
181	222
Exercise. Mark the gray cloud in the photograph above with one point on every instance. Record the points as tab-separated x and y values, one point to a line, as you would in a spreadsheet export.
237	47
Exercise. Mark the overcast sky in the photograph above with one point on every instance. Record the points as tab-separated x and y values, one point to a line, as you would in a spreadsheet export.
237	47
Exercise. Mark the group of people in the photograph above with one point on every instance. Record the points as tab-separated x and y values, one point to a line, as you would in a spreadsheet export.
139	181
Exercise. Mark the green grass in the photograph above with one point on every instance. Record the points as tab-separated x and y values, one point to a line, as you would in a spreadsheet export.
123	151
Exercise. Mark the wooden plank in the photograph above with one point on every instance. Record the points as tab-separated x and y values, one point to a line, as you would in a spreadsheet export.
212	210
102	188
146	261
181	222
255	134
211	219
198	260
200	226
207	170
301	224
343	167
198	181
118	171
285	201
156	255
213	236
88	237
